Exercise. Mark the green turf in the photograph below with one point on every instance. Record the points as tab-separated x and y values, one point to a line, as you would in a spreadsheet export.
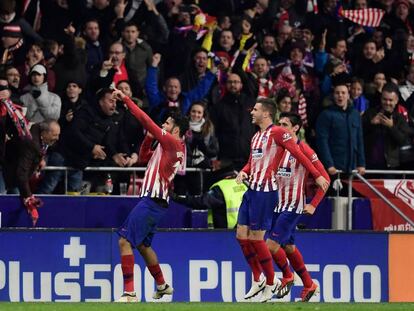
204	306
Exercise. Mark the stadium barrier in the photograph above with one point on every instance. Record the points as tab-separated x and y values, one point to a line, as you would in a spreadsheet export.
61	211
202	265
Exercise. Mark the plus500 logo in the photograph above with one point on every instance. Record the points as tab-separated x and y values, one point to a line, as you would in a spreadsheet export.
204	276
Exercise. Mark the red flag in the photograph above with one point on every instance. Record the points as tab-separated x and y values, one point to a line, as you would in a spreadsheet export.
400	193
366	17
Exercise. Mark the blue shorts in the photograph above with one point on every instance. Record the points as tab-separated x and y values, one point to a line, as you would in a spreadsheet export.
140	226
284	227
256	209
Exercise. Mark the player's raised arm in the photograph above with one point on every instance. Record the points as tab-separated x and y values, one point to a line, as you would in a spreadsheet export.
284	139
159	134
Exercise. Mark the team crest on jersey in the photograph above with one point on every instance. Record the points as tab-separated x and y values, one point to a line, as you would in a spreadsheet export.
292	159
264	139
257	153
314	157
284	172
286	137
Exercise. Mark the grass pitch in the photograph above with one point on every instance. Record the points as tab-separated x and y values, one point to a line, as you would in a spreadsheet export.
194	306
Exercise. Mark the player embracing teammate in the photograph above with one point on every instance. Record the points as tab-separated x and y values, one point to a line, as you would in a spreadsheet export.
268	147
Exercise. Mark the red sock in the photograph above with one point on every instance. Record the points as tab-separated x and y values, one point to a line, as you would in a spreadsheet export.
127	266
281	261
156	273
296	260
265	259
251	258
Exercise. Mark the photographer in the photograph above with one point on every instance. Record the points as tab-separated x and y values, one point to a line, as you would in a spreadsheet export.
385	131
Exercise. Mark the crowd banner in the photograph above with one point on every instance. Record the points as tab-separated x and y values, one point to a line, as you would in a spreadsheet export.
400	192
202	265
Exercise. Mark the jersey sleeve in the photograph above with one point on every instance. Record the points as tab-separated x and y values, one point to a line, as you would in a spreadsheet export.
284	139
145	151
160	134
247	167
313	157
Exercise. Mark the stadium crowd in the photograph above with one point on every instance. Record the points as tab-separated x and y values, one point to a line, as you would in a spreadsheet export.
351	83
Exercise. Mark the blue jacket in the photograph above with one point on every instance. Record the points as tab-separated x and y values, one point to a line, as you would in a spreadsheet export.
157	98
339	138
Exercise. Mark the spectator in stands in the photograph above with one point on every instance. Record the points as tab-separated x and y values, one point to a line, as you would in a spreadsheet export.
268	50
87	140
172	98
385	131
180	43
226	42
13	48
332	64
370	62
13	78
359	101
131	132
71	62
202	150
283	38
138	54
195	71
35	56
339	135
152	25
72	102
40	103
113	69
374	89
202	143
9	17
234	128
25	156
407	89
94	49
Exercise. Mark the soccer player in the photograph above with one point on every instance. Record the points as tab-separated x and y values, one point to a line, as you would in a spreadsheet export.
291	178
138	229
256	210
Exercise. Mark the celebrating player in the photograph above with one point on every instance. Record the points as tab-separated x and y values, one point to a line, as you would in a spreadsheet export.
256	210
291	177
139	228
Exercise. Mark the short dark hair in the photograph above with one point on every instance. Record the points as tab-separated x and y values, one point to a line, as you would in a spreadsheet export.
102	92
130	24
293	117
268	105
390	87
180	121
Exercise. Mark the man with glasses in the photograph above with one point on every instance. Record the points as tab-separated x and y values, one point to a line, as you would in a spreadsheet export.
232	121
13	78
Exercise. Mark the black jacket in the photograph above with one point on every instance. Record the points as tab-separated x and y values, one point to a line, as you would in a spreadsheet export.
393	138
89	127
234	128
22	158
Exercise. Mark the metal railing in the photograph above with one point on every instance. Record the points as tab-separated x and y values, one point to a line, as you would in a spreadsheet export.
378	193
134	171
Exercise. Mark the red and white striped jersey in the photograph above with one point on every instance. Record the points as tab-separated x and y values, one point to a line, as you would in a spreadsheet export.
260	166
291	177
163	162
266	151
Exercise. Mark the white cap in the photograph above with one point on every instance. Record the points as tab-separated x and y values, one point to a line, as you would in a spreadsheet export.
39	68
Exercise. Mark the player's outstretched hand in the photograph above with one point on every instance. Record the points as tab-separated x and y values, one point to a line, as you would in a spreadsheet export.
118	94
240	177
309	209
322	183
